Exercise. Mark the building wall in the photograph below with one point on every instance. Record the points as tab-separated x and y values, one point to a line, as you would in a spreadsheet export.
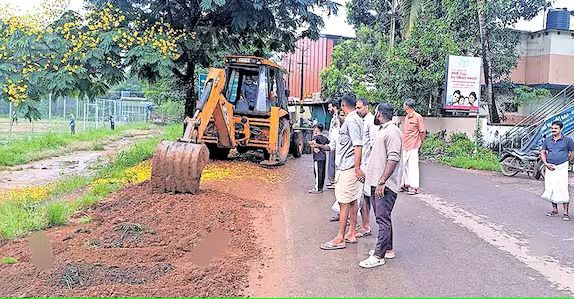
317	56
546	57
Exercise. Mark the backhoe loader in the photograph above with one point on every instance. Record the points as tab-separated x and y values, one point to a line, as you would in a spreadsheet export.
242	107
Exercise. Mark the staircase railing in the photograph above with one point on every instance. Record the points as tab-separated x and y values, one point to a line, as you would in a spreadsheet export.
523	132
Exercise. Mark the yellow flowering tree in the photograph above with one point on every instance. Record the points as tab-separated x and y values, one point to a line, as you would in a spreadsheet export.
66	53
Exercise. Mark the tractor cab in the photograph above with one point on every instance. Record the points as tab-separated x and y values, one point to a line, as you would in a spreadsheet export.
254	85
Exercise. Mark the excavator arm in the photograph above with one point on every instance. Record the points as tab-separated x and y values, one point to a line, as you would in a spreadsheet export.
213	106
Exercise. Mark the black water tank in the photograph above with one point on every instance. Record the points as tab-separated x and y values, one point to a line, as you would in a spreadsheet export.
558	19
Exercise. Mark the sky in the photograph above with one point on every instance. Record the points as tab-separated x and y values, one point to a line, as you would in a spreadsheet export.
336	25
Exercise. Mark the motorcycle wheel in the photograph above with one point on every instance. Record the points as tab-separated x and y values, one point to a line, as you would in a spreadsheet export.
506	169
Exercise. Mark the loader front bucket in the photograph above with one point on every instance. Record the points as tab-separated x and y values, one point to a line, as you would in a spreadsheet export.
177	167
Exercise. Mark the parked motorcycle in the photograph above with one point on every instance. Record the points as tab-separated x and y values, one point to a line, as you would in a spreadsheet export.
514	161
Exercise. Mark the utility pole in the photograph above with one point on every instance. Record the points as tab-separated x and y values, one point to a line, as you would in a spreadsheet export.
289	72
302	64
393	24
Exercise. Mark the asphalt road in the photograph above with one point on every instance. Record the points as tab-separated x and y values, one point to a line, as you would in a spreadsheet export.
467	234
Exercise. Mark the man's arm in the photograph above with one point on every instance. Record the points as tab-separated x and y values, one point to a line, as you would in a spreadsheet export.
422	129
356	134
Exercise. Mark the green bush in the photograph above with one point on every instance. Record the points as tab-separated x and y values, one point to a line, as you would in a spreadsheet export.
459	152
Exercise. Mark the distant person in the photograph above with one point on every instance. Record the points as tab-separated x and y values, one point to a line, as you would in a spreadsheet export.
72	124
557	150
112	123
15	117
383	176
249	91
319	158
369	132
336	208
413	138
333	108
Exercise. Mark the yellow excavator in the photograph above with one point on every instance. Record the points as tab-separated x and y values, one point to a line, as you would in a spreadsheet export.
242	107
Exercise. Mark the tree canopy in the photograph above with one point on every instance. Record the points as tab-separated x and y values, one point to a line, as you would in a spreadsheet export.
429	31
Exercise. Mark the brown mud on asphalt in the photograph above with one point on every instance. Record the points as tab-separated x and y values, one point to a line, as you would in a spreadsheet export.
226	241
51	169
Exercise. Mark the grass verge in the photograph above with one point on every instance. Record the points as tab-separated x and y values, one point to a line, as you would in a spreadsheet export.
20	151
460	152
8	260
36	208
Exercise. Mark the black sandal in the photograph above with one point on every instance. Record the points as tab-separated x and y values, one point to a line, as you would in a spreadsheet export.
552	214
566	217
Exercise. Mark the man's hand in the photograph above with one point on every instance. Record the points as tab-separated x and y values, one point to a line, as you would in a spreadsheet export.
316	150
360	175
312	143
550	167
380	191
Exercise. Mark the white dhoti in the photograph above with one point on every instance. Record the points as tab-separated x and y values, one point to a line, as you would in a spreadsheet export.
556	184
347	189
410	169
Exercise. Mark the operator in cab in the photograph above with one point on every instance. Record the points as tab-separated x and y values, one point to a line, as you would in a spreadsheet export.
249	90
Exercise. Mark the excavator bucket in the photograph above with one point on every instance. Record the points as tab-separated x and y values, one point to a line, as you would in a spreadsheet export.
177	167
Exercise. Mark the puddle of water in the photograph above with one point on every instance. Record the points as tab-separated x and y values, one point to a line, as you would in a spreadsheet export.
210	248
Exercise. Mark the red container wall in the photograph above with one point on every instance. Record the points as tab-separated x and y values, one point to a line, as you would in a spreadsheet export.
317	55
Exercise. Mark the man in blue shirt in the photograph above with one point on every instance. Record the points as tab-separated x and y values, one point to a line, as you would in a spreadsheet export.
249	92
556	152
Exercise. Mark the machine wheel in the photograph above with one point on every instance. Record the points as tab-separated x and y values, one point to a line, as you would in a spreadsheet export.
266	155
284	141
297	144
307	136
216	153
241	149
505	167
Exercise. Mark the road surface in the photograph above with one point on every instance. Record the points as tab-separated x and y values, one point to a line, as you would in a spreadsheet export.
467	234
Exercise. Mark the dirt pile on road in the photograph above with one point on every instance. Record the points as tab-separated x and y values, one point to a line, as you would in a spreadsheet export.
144	244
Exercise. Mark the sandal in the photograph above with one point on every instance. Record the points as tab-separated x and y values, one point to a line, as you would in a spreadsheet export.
566	217
333	246
361	234
412	192
334	218
351	242
552	214
371	262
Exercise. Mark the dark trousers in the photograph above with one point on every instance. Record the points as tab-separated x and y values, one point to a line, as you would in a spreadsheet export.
383	208
319	171
331	165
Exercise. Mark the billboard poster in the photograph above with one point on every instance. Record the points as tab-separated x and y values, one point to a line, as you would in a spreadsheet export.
463	83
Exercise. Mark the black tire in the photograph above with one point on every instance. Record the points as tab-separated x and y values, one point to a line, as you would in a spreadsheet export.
241	149
507	171
266	155
297	144
283	141
216	153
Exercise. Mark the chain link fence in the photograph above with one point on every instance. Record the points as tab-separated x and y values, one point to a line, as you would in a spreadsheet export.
57	114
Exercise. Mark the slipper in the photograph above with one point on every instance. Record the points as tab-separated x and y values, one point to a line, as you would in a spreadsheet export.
371	262
334	218
333	246
364	234
566	217
351	242
412	192
552	214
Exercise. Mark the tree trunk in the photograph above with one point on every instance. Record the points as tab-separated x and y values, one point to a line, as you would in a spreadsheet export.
487	62
190	93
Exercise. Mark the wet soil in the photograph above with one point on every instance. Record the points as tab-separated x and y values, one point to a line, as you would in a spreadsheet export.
144	244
